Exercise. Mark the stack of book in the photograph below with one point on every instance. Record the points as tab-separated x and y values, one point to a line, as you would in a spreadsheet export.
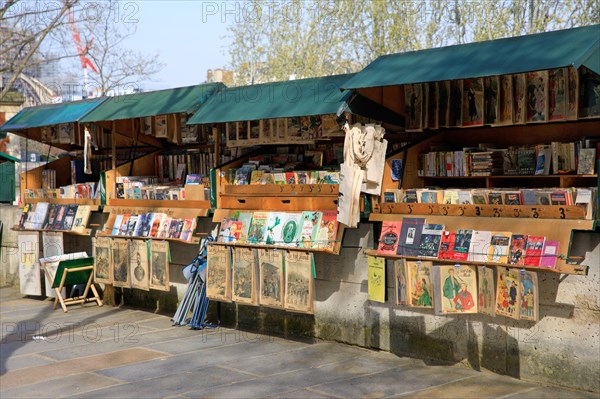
486	163
56	217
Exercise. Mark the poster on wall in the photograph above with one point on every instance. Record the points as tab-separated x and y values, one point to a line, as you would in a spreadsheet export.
103	260
420	284
537	96
505	100
485	279
299	281
270	265
29	267
52	249
158	273
401	281
243	272
138	265
520	92
557	94
508	294
459	288
491	94
218	273
120	263
572	106
413	95
376	279
529	308
472	103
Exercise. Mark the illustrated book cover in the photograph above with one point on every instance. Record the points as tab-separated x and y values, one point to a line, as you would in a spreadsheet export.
459	288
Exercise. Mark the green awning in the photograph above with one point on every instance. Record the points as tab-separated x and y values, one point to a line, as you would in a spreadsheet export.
542	51
303	97
160	102
7	157
51	114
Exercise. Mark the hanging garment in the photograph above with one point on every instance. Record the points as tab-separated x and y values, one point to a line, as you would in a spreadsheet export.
351	177
87	151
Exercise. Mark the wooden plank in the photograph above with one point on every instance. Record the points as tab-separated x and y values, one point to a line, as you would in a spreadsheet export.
94	203
169	211
573	269
195	239
510	211
281	204
202	205
553	229
86	232
262	190
278	247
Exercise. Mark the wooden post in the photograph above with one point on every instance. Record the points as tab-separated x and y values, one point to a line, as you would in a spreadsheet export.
217	138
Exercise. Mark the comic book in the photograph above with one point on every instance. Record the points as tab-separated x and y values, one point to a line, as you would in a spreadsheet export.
459	289
516	255
499	247
431	238
388	240
533	250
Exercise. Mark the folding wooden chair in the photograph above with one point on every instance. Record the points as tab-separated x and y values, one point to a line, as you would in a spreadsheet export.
71	272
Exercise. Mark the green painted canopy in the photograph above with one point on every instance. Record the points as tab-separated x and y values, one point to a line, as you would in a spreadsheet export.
160	102
570	47
50	114
303	97
7	157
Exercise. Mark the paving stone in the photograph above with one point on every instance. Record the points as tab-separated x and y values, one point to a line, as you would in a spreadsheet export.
301	394
19	362
47	372
540	392
311	356
76	385
395	381
171	384
471	387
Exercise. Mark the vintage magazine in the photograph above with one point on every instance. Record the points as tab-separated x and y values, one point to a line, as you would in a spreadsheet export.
103	260
420	284
270	264
159	265
218	273
508	293
120	263
459	288
401	282
376	279
299	281
139	265
244	278
486	291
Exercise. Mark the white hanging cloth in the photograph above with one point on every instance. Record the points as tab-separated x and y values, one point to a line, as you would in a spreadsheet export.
87	151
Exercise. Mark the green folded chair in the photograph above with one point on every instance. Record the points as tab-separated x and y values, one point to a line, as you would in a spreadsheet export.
71	272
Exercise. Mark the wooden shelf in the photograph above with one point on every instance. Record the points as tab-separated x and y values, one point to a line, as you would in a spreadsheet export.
562	181
559	230
171	204
275	247
263	190
510	177
373	252
195	239
95	203
86	233
487	211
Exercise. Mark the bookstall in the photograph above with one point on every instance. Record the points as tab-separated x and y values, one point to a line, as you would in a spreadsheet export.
284	194
506	172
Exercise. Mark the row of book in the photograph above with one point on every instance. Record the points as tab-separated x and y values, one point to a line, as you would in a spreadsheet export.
460	289
80	190
585	197
243	176
191	161
154	225
541	159
308	229
45	216
413	237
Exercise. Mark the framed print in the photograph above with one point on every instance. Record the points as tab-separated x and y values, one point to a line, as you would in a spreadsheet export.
491	93
472	103
160	122
231	134
537	96
120	263
572	107
102	260
520	92
158	274
505	100
270	266
147	125
557	94
456	101
242	133
459	288
589	93
433	101
299	281
254	127
266	130
420	284
244	279
218	273
413	97
139	265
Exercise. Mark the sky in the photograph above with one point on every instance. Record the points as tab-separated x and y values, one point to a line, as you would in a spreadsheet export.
189	36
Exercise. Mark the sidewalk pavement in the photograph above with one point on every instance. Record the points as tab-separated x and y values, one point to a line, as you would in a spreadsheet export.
110	352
